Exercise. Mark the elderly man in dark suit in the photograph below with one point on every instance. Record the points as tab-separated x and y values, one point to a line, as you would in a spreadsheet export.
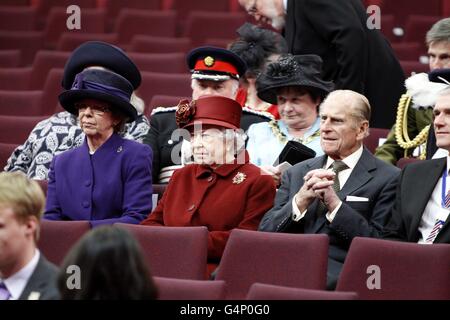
25	274
352	199
422	208
355	57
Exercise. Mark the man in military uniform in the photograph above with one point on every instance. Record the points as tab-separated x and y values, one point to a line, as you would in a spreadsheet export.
415	109
215	71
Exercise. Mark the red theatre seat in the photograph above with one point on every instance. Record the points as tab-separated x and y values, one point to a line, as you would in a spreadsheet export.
175	252
382	269
152	23
187	289
293	260
58	237
260	291
5	152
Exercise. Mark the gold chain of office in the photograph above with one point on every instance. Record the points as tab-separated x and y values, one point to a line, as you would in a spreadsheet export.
282	137
401	128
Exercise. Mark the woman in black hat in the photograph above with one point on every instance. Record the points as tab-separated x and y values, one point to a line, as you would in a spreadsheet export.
294	83
108	178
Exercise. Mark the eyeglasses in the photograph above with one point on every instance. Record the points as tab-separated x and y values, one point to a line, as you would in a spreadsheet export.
96	109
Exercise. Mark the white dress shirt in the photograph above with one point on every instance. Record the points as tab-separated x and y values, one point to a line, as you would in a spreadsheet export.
343	176
285	5
434	209
17	282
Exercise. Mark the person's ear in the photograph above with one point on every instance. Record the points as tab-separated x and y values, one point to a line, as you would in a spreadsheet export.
31	226
363	130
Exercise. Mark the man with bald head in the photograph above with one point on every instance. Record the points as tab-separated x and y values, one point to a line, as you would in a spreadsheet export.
345	193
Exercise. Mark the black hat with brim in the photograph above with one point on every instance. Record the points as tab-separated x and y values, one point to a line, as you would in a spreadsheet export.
301	70
98	53
440	75
100	85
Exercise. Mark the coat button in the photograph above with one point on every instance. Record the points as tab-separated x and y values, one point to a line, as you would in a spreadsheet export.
191	207
85	204
210	179
87	183
170	141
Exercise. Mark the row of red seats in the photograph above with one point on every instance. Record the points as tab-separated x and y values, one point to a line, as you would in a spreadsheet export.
402	9
32	103
405	270
129	23
133	27
40	8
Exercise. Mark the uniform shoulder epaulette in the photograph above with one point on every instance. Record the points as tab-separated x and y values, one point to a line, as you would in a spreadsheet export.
259	113
163	109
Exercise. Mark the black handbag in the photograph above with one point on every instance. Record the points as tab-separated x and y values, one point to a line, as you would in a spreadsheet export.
295	152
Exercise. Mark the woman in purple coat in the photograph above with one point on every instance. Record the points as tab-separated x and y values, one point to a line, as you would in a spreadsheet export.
107	179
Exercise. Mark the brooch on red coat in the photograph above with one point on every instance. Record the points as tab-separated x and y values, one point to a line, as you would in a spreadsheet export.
185	112
239	177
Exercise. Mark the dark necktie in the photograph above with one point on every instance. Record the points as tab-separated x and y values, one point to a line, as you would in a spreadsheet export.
4	292
337	166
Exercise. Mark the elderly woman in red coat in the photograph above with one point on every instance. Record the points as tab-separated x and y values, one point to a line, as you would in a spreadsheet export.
221	189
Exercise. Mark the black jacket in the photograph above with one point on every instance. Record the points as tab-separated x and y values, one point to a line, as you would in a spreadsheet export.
354	56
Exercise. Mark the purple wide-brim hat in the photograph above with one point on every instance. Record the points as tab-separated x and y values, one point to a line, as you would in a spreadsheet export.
100	85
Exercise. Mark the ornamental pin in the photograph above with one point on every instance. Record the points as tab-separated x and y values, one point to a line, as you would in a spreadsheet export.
239	177
209	61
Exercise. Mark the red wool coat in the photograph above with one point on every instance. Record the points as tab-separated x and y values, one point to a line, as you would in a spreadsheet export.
198	195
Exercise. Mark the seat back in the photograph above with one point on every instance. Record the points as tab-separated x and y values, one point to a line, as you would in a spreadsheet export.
143	43
156	83
293	260
16	18
174	62
44	61
261	291
188	289
372	141
174	252
58	237
92	21
225	25
15	129
153	23
69	41
28	42
383	269
5	152
10	58
413	67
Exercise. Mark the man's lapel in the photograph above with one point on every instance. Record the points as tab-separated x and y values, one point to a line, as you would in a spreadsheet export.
428	177
361	174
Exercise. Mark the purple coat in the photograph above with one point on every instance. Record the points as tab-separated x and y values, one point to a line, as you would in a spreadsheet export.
112	185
